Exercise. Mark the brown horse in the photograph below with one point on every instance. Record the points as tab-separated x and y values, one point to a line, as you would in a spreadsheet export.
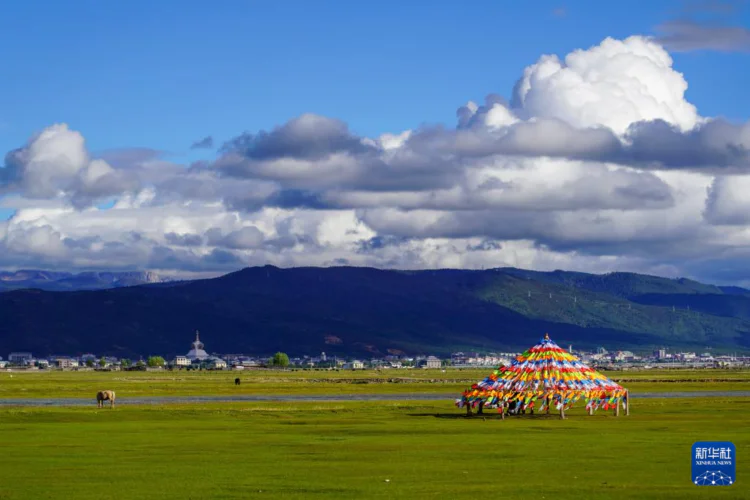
103	396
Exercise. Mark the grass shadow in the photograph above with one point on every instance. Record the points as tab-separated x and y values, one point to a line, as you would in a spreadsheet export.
486	416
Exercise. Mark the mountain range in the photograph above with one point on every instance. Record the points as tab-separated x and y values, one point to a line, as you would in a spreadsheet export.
60	281
369	312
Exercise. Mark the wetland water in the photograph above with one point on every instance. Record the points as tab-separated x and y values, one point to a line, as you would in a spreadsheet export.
415	396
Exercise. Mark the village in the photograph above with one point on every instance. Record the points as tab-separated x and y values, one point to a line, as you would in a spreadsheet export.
197	358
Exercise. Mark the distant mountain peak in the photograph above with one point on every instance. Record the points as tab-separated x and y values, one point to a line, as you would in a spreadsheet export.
86	280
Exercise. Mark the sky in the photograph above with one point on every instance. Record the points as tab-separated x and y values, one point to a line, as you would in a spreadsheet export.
194	138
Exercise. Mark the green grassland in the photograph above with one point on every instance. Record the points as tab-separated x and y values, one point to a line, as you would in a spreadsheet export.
363	450
36	384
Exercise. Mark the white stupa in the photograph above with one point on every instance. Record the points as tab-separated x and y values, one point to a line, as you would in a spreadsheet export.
197	351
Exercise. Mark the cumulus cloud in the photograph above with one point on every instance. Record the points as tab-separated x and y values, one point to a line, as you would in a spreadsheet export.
727	202
183	240
597	162
56	163
309	136
713	145
614	84
247	237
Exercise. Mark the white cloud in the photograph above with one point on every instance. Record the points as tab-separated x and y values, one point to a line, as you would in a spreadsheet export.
572	174
56	164
614	84
728	202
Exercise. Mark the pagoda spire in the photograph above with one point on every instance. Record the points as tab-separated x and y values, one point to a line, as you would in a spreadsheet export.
196	351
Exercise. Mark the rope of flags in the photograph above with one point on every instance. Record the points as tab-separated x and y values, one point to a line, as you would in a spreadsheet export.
544	377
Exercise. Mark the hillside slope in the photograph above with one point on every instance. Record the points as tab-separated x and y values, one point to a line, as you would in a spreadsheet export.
361	311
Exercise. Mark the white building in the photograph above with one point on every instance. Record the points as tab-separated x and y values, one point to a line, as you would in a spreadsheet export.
217	364
433	362
354	365
197	351
623	356
181	361
20	357
66	363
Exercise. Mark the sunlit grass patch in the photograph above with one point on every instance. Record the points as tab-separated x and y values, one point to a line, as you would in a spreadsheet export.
350	449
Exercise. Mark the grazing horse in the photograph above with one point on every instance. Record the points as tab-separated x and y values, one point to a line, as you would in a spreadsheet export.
237	381
103	396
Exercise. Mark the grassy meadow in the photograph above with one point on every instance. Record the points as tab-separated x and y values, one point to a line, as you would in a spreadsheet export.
384	449
36	384
363	450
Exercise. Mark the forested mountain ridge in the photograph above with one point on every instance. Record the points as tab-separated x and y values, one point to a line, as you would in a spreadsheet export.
365	311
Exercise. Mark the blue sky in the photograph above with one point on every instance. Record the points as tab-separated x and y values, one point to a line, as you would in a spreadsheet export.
162	74
605	164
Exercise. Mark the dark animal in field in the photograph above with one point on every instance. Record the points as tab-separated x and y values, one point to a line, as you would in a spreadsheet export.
103	396
237	381
513	408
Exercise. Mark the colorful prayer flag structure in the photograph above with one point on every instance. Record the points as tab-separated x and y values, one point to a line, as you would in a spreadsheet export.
544	376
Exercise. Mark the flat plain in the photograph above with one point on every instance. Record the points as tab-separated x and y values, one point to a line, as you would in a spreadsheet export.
72	384
386	449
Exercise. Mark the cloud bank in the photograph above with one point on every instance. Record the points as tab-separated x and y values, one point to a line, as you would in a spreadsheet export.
596	162
687	35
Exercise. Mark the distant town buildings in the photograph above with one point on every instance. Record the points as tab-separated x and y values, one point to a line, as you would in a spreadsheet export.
215	363
623	356
20	357
354	365
431	362
198	359
472	359
66	363
198	356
